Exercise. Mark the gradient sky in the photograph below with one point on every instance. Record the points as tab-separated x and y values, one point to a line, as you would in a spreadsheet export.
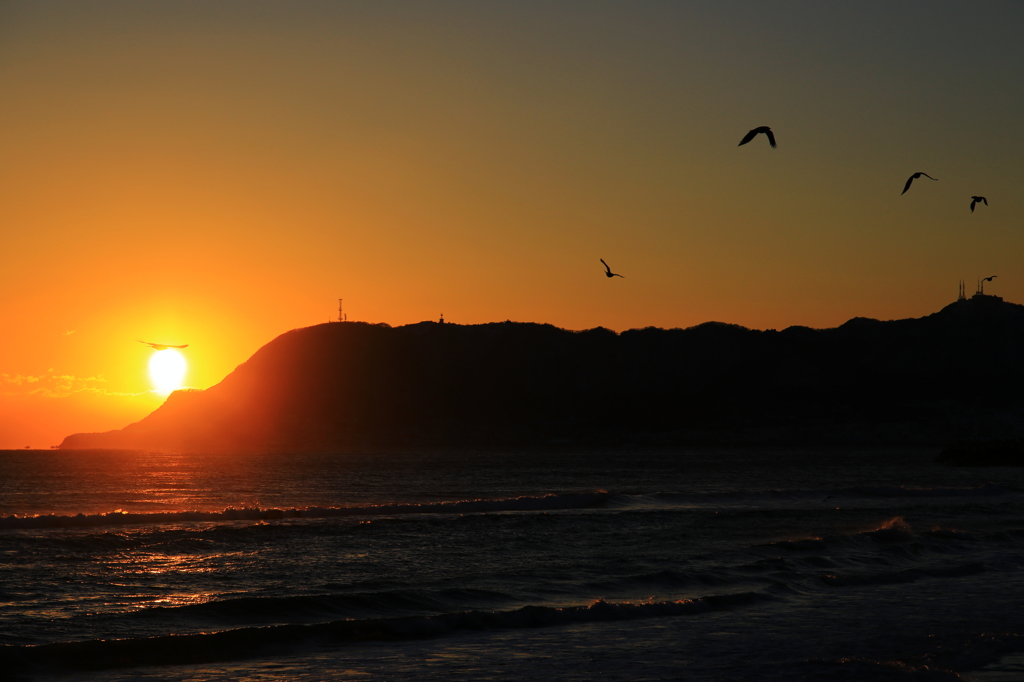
217	173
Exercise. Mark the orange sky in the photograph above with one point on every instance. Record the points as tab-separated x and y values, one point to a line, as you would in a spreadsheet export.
217	173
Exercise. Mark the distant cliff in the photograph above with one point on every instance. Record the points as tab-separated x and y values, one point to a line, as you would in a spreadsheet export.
956	373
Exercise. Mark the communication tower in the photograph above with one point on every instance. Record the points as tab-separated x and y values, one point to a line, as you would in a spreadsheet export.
342	317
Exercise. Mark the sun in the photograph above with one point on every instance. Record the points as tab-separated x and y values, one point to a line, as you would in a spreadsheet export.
167	370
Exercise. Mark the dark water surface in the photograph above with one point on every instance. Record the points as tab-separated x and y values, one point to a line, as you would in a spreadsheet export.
752	564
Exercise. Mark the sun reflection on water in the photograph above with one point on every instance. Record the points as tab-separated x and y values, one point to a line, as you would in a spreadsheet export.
156	563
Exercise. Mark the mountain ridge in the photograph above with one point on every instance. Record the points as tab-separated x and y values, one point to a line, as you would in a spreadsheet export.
355	385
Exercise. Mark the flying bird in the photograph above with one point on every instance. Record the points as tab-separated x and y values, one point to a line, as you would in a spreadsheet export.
753	133
161	346
912	178
608	271
989	279
975	200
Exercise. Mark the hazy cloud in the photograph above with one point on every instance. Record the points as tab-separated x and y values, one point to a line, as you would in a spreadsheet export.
53	385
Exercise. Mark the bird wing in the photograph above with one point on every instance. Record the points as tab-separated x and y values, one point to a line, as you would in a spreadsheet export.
927	176
771	138
984	199
747	138
160	346
973	202
605	265
907	186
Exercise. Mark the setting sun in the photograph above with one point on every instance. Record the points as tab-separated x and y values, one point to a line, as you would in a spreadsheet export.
167	370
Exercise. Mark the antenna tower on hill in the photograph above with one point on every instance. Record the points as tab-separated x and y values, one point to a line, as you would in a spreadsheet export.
342	317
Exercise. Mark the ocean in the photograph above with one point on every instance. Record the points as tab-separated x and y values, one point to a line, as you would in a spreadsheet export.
565	564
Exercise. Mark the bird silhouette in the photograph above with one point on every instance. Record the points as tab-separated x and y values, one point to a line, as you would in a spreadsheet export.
753	133
975	200
608	271
989	279
161	346
912	178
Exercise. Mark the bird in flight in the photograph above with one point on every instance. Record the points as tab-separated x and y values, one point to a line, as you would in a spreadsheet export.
753	133
608	271
975	200
912	178
989	279
161	346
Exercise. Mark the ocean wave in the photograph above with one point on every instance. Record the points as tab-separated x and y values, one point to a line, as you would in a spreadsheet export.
669	579
891	531
320	607
551	502
516	504
799	496
986	490
852	668
906	576
281	639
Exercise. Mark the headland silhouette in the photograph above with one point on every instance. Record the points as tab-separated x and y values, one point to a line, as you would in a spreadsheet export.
932	380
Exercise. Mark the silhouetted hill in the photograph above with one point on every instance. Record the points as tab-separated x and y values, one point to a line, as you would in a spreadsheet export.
952	374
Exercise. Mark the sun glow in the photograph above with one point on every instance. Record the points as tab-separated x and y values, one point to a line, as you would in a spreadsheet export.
167	370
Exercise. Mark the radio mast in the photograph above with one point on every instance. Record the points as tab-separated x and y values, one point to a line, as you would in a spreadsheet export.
342	317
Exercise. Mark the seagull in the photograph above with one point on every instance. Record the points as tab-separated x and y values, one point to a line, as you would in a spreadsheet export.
161	346
608	271
975	200
763	129
989	279
913	177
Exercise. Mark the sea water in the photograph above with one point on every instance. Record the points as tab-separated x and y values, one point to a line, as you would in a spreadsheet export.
628	563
